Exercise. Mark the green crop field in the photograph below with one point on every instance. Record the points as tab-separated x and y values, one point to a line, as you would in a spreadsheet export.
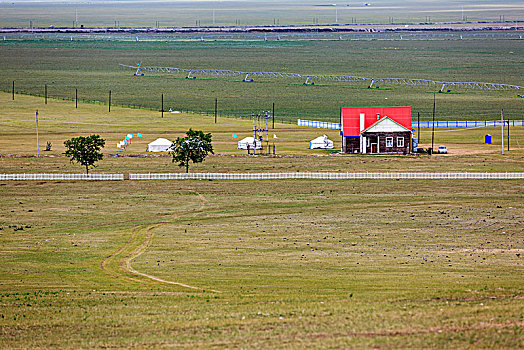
93	68
258	264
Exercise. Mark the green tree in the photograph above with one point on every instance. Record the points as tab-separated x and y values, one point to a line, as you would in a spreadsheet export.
85	150
195	147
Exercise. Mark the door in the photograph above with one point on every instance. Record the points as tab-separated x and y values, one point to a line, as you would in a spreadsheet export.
374	148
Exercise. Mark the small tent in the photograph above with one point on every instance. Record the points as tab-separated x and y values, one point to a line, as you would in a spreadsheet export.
159	145
242	144
321	142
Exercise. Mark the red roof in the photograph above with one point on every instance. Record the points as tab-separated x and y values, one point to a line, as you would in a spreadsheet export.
350	117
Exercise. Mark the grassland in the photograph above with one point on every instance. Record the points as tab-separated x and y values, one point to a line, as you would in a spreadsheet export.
199	264
92	67
260	264
59	120
266	264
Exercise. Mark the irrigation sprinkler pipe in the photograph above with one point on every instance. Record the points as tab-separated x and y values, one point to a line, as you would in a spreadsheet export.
309	78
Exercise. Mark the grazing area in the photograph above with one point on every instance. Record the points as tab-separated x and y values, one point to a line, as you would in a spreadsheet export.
354	263
289	263
92	67
199	264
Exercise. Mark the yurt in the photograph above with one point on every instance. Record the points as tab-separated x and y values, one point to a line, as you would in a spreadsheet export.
159	145
242	144
321	142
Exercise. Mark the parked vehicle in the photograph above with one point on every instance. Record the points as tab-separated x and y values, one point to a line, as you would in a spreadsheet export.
442	149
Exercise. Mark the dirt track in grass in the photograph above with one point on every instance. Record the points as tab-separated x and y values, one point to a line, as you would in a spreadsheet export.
142	236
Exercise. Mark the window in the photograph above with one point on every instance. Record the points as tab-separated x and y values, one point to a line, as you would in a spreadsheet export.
400	142
389	142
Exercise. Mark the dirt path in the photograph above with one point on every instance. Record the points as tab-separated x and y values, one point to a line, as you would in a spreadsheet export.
125	265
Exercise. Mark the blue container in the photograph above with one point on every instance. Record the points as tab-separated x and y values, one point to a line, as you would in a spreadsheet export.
487	139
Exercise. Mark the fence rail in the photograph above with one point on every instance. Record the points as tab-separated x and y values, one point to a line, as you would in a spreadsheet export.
91	177
318	124
323	176
438	124
264	176
469	123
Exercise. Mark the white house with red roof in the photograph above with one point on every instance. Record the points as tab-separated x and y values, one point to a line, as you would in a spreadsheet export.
376	130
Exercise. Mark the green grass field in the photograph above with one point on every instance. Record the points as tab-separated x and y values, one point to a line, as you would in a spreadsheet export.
93	68
292	263
258	264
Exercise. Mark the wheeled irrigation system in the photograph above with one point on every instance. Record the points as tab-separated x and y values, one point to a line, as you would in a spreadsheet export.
309	79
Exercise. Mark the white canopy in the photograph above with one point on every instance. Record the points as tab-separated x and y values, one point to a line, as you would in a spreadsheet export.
242	144
159	145
321	142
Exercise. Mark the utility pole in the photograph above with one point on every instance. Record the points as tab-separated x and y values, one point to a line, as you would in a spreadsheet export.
267	136
418	126
37	148
13	90
76	97
109	101
508	134
162	105
254	136
45	94
273	115
502	128
433	124
216	109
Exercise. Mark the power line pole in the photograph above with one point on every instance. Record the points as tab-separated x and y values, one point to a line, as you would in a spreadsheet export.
502	128
162	105
37	148
418	126
109	101
273	115
13	90
433	124
508	134
76	98
45	93
267	136
216	109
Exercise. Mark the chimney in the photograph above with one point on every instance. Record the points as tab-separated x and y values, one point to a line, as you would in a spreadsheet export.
362	117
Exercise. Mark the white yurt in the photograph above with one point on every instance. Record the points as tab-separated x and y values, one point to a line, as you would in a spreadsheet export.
242	144
159	145
321	142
